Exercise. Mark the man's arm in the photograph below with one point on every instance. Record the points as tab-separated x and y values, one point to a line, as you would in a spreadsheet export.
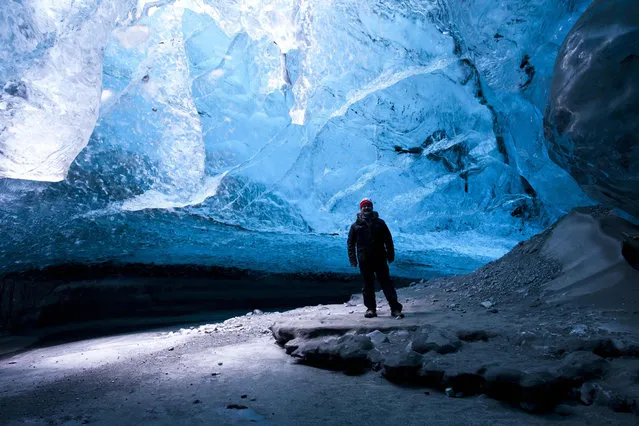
390	247
351	246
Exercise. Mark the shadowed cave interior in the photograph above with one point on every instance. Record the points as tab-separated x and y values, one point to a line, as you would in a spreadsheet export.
178	179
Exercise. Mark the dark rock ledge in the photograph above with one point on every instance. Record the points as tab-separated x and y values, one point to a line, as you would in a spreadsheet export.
467	362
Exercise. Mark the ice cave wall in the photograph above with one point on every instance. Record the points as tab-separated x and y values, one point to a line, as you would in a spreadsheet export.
591	121
276	117
50	73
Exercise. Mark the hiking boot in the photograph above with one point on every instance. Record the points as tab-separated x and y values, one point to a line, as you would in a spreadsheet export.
397	314
370	314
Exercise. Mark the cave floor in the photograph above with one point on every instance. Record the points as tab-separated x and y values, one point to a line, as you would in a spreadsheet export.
233	372
552	328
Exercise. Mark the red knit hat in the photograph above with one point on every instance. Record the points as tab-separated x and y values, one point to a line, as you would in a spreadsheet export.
365	201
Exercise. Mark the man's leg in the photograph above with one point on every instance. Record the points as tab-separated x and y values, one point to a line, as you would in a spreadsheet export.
383	275
368	273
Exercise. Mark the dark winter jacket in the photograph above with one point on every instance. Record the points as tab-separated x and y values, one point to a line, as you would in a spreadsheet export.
373	241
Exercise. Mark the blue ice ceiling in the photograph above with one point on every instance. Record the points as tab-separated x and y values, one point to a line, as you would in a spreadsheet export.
244	133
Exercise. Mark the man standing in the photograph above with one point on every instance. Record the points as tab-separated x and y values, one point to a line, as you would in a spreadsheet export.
374	243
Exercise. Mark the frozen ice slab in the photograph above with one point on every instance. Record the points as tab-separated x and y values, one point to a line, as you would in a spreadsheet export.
50	76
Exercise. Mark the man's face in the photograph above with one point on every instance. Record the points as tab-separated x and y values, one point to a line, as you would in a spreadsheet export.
367	208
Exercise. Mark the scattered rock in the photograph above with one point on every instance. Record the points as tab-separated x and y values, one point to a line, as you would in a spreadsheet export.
292	345
349	352
582	366
402	367
486	304
436	342
503	383
377	337
579	330
564	410
354	301
475	335
588	392
615	348
197	401
236	407
542	391
615	401
399	333
619	389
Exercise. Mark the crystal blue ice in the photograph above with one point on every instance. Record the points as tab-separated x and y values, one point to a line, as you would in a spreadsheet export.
244	133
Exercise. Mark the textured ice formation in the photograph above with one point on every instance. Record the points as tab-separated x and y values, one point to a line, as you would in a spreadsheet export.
50	76
591	122
274	118
150	112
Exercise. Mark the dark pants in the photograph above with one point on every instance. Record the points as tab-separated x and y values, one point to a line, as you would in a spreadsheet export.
368	271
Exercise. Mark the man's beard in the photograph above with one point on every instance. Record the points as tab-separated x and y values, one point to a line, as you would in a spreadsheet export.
367	214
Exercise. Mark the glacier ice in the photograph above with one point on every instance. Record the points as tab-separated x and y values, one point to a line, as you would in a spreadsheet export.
591	122
247	131
50	72
151	98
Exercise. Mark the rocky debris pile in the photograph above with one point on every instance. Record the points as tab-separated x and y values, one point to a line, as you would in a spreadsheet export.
585	252
253	324
518	275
